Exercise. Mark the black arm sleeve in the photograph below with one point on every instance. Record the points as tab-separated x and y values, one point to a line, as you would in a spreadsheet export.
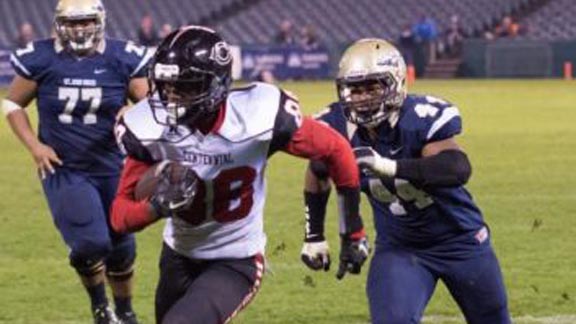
315	215
349	204
449	168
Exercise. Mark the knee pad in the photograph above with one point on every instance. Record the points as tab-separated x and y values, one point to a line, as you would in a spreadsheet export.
86	267
87	257
120	264
121	275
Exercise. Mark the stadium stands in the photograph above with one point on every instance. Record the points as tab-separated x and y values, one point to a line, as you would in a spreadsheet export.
336	22
343	21
556	20
123	16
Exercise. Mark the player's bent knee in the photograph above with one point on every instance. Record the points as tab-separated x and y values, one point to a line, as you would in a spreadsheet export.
87	256
121	269
86	267
119	264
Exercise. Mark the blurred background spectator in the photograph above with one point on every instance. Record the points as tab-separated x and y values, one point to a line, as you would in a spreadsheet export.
165	30
407	44
507	28
426	34
25	35
266	76
147	35
451	43
286	34
308	39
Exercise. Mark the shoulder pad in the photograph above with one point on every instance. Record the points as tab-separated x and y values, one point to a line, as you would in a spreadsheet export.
137	130
333	116
31	61
132	57
435	118
330	113
140	121
250	112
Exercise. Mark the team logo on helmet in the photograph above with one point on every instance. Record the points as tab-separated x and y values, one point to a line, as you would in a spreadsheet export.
221	53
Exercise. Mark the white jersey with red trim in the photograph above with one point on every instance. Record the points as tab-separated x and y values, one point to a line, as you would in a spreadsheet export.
226	217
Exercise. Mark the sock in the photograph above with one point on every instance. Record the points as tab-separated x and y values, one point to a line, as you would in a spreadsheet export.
97	295
123	305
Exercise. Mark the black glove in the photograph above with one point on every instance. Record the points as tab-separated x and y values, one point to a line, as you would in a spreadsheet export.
175	191
353	254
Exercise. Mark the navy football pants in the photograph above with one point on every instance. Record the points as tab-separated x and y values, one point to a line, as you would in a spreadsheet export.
401	282
80	207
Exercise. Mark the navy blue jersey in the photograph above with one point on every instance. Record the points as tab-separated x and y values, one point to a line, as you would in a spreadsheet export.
403	212
78	99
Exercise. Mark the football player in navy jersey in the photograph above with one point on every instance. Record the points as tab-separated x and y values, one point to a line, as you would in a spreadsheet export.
413	173
81	80
209	147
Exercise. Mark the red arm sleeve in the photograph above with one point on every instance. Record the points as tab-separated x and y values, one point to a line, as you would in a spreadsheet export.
127	214
316	141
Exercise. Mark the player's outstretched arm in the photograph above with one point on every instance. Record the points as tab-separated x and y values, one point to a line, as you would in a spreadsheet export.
315	250
318	142
20	94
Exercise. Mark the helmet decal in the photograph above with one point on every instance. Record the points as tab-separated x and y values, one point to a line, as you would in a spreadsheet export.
221	53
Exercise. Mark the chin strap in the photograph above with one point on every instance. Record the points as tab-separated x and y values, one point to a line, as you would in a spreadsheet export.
394	117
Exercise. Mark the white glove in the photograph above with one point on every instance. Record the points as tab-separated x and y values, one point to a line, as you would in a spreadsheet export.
316	255
368	159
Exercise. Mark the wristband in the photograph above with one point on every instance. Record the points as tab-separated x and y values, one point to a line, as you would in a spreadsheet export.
9	106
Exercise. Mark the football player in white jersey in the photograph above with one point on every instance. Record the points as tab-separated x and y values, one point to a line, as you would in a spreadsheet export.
215	143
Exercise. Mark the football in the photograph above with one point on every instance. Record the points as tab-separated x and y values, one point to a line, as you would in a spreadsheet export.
148	182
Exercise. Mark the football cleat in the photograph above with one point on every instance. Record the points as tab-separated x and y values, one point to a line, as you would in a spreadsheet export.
127	318
104	315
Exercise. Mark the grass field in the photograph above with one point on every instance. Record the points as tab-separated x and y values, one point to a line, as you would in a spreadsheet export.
520	137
